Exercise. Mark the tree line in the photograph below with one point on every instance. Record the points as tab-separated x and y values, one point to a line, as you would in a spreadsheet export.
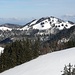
69	70
22	51
19	52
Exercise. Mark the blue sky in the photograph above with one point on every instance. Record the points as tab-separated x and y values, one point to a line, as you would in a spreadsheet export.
36	8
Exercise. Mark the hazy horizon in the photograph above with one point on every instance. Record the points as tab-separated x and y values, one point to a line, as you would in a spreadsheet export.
36	8
20	10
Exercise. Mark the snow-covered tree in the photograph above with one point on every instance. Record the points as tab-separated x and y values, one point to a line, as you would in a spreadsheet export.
69	70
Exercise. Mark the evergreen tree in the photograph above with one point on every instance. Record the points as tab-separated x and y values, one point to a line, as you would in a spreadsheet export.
36	49
65	70
69	70
73	70
18	52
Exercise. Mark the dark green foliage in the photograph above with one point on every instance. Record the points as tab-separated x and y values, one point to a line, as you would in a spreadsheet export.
18	52
36	48
55	45
70	44
69	70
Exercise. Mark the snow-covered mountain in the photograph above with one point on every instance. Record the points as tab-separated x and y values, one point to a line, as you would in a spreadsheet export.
49	64
42	26
43	23
47	23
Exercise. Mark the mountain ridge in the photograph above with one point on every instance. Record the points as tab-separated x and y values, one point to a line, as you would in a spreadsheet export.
45	27
41	24
47	22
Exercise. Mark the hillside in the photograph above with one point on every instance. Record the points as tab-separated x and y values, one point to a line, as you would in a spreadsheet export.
45	28
49	64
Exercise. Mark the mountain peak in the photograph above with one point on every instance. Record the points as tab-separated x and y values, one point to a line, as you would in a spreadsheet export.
47	23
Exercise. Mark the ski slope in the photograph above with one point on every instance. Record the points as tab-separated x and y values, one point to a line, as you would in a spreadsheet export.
49	64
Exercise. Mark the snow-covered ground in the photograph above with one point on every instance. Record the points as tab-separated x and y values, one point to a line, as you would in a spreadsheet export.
1	50
5	28
44	26
49	64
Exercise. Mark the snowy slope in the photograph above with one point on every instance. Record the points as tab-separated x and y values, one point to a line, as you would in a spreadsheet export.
43	23
49	64
1	50
47	23
29	25
5	28
63	25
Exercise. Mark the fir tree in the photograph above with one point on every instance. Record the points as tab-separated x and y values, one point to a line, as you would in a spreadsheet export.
69	70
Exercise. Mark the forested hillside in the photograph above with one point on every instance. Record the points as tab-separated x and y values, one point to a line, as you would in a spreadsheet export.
23	51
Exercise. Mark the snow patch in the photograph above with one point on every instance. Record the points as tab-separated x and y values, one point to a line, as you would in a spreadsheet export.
1	50
42	25
5	28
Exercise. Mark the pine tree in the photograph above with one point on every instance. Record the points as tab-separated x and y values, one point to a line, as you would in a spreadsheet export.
65	70
69	70
73	70
36	49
